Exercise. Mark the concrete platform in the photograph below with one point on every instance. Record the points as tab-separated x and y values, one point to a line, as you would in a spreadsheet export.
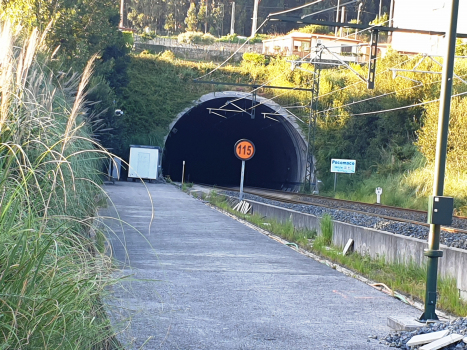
201	280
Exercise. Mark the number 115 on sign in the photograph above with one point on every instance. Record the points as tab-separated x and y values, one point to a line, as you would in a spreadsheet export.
244	149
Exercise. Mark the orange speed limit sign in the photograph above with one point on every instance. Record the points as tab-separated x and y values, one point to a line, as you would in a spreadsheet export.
244	149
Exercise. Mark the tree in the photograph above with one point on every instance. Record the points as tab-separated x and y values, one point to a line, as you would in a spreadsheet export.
461	48
147	14
79	29
170	23
191	19
203	15
217	17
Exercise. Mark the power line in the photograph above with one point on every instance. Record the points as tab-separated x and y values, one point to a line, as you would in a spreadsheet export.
399	108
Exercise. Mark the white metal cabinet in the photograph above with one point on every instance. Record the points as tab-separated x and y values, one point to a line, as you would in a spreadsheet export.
144	162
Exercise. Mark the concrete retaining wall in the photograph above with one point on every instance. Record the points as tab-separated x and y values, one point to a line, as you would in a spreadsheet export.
375	243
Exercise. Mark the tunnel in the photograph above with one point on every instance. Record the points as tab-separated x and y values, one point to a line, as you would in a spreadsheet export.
204	135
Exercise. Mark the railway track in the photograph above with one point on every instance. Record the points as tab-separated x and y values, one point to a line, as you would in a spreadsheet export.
411	216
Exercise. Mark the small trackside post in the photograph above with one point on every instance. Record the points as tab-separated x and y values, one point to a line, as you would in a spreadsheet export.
183	172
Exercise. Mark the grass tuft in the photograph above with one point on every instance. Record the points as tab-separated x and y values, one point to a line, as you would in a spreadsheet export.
53	275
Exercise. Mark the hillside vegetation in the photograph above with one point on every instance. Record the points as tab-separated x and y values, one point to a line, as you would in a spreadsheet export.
390	131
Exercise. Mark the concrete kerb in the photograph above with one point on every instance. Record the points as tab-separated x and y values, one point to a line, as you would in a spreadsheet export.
376	243
393	322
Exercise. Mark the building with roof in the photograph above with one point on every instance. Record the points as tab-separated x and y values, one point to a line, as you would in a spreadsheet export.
347	49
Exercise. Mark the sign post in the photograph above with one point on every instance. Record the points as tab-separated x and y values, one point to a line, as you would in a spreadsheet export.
244	150
346	166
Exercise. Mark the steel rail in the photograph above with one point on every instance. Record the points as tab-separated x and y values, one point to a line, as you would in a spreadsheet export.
280	196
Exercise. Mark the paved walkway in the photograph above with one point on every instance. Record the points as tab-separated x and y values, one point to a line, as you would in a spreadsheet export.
202	280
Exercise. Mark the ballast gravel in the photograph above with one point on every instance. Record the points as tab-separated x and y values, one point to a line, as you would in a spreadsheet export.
400	339
457	240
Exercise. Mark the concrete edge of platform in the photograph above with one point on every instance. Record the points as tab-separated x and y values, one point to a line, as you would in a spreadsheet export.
394	322
404	323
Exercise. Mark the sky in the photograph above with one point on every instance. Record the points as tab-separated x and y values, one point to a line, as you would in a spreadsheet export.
427	15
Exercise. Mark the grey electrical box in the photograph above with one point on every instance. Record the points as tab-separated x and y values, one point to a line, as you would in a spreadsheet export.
440	210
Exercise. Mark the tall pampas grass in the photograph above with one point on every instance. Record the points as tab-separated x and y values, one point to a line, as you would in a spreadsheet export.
52	276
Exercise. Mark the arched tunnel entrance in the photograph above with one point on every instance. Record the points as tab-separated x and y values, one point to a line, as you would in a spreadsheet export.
204	137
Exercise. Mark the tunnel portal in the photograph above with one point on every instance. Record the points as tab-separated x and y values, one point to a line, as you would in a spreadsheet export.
204	137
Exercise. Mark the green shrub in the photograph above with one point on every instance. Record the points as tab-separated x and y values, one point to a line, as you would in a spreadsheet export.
234	38
230	38
255	58
148	36
167	55
315	28
129	39
198	38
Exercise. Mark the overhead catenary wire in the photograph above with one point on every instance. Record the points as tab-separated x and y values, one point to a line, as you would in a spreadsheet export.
277	96
334	91
399	108
293	9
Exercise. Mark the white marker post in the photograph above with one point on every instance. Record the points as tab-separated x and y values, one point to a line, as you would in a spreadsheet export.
244	150
379	192
183	172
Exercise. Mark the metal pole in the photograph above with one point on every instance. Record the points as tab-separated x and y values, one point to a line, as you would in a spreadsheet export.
337	16
433	252
183	172
241	180
380	6
206	21
391	20
335	181
342	19
358	18
255	19
232	20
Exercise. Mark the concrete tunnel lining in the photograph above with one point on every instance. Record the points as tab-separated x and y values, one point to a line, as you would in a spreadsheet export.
205	141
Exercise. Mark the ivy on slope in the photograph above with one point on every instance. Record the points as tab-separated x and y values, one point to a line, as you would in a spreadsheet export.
160	87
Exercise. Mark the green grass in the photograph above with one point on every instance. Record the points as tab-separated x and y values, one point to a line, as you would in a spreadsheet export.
54	270
286	231
407	279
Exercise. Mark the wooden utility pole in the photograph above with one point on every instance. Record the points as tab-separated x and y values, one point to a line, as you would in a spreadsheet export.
232	20
122	10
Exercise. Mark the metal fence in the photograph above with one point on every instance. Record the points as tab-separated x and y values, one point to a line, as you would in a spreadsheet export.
217	46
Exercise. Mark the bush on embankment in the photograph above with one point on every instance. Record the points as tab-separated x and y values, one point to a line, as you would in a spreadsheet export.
52	277
161	86
389	130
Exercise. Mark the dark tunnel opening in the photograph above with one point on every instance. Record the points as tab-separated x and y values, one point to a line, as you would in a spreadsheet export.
205	141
